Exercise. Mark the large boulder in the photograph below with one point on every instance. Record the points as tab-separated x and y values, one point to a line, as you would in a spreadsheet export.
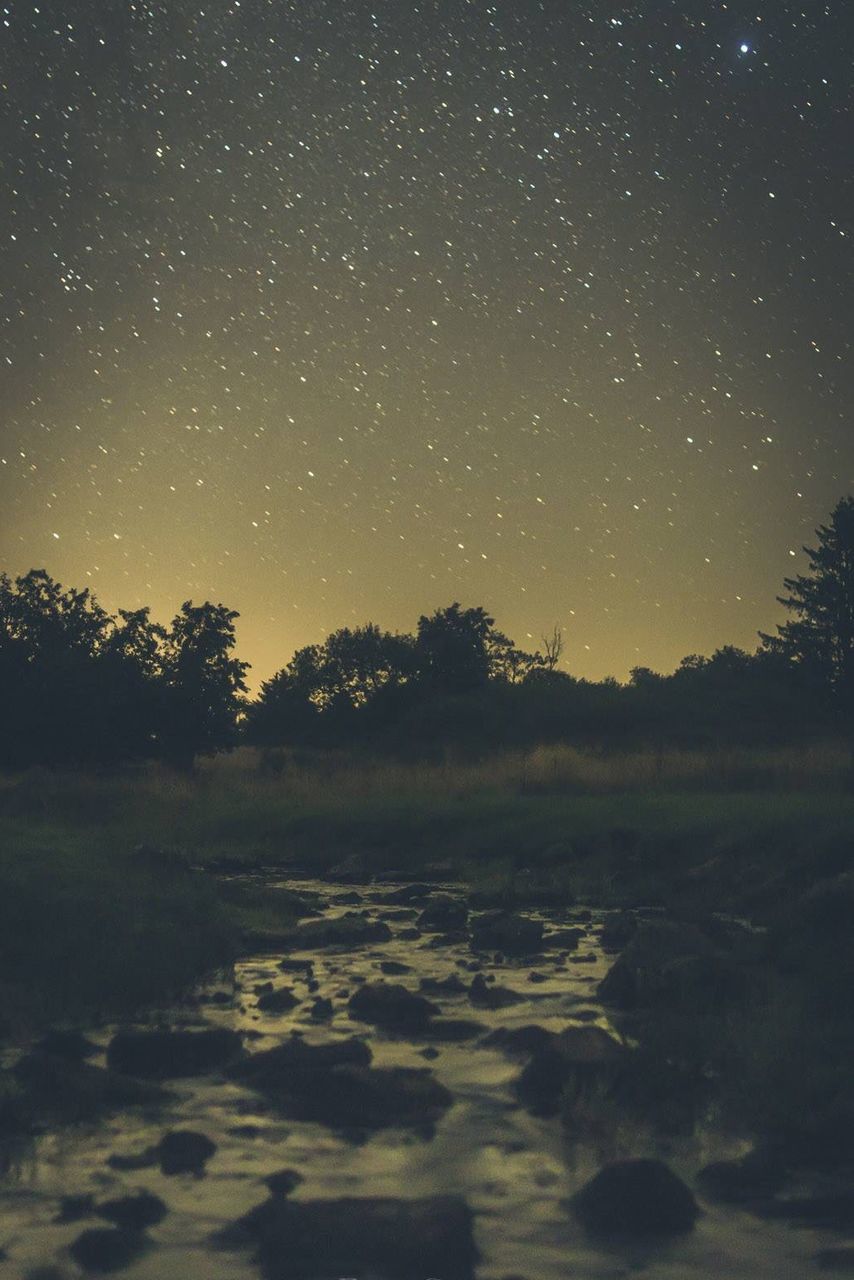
392	1006
618	930
443	914
65	1092
271	1070
333	1084
167	1055
636	1198
666	963
505	931
105	1249
571	1062
384	1238
134	1212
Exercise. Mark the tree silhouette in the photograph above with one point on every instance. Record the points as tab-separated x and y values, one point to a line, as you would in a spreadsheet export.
452	648
820	636
203	682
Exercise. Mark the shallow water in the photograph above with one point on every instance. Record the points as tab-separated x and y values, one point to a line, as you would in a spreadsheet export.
515	1171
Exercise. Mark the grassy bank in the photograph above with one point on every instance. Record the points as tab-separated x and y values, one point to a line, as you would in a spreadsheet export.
85	925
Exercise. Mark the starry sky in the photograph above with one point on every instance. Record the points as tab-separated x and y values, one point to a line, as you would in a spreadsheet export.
337	311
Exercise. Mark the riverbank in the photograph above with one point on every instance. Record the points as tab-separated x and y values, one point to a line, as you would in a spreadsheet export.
90	924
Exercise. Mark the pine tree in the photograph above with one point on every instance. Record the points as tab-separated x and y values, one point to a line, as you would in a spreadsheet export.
820	635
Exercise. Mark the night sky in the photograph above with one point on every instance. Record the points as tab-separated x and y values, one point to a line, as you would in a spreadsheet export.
338	312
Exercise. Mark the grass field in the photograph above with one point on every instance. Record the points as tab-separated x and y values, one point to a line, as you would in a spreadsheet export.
87	925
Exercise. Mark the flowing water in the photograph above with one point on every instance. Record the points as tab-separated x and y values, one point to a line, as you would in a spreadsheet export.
516	1172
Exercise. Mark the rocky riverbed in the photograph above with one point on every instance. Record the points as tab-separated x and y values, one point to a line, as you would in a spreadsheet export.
377	1094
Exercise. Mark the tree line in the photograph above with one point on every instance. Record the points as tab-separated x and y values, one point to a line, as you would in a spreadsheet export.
80	686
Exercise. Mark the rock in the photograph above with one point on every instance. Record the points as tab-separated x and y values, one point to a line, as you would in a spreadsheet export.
344	931
322	1009
332	1084
485	996
278	1001
145	1159
72	1045
408	935
296	966
571	1061
184	1151
394	968
107	1249
133	1213
443	914
348	899
754	1177
636	1198
383	1238
73	1208
452	985
273	1068
165	1055
392	1006
283	1182
672	964
523	1041
506	932
562	940
66	1091
399	913
536	977
618	930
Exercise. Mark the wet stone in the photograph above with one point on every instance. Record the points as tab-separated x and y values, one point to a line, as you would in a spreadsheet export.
444	913
164	1055
277	1001
394	968
296	966
506	932
484	996
384	1238
283	1182
563	939
68	1091
636	1198
523	1041
184	1151
133	1213
391	1006
73	1208
105	1249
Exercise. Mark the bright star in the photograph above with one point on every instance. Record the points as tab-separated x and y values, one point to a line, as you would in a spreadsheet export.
744	48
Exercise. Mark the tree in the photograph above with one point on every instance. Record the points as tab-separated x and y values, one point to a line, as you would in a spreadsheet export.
820	635
50	643
203	681
452	648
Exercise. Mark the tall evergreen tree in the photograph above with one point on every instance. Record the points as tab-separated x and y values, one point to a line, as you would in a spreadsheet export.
820	635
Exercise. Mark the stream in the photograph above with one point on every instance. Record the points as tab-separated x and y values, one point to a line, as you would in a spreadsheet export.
515	1171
